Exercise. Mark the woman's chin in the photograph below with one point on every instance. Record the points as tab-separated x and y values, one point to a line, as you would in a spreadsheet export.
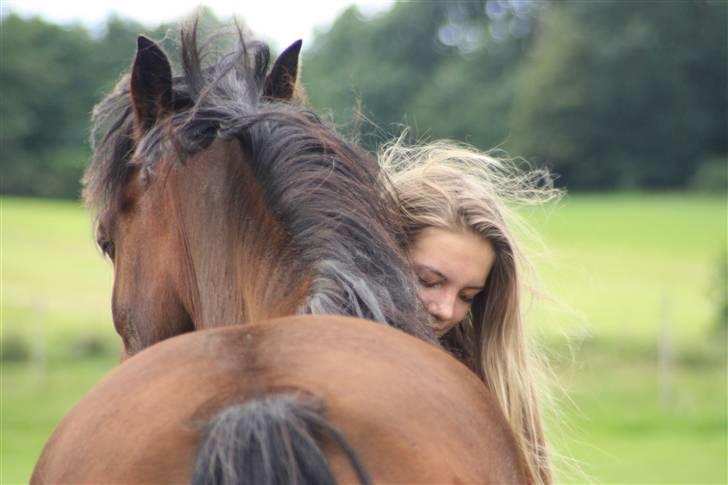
441	329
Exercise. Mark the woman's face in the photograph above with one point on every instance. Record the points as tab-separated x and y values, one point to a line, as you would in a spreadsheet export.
451	268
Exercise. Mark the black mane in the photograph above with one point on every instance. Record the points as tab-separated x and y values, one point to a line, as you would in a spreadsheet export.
326	192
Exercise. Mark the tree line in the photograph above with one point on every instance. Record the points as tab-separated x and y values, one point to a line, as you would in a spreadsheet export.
609	95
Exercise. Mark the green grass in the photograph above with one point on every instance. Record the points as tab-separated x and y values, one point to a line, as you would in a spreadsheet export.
625	426
618	270
34	400
55	285
623	266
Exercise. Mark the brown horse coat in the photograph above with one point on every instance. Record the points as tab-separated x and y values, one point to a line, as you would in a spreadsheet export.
410	411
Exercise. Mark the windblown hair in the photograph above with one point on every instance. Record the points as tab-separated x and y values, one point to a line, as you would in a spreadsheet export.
452	186
324	191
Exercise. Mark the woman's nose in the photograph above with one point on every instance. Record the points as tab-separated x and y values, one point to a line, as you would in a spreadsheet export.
442	308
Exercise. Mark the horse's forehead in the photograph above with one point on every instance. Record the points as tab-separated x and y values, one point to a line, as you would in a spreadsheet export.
221	163
223	150
221	177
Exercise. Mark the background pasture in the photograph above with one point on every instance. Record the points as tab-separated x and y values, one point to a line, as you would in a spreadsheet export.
615	268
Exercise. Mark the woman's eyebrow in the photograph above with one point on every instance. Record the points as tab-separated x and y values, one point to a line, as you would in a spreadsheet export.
432	270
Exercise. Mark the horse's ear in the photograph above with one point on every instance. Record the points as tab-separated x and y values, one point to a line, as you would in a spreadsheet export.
151	84
281	82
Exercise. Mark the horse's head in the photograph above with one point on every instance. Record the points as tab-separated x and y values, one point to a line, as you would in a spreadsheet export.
220	200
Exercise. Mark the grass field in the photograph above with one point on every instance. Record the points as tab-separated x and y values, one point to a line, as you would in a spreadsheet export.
618	271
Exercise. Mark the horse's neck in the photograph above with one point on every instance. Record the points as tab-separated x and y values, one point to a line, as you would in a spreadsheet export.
241	266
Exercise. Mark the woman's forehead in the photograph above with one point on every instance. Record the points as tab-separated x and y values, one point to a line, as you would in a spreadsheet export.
462	257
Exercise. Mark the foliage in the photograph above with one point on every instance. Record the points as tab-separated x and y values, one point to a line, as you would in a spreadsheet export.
608	95
45	104
51	77
431	65
625	97
14	348
711	176
378	64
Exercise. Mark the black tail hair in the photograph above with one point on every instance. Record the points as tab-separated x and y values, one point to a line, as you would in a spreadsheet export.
269	441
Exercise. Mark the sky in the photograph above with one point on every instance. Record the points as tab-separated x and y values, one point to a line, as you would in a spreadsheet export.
279	22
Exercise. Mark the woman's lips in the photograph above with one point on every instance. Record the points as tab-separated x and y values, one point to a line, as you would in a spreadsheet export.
440	328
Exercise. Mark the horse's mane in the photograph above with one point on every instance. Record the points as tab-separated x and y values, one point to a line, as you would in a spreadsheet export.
325	191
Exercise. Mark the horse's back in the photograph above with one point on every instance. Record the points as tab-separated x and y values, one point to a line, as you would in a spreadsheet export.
410	412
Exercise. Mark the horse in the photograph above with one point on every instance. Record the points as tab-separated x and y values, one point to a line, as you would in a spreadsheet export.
302	399
222	200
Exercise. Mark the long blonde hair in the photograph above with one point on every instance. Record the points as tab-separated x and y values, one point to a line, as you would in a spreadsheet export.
452	186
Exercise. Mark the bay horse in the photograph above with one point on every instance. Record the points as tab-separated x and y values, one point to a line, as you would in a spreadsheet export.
222	200
302	399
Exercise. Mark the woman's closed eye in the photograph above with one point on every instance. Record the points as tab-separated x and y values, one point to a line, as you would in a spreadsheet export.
467	299
428	282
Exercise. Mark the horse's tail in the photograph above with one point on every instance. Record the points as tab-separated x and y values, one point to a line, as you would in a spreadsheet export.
269	441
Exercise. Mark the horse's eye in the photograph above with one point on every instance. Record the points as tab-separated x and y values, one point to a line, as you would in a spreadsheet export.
105	243
107	247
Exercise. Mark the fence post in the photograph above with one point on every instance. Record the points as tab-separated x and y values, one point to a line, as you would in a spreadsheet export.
664	352
39	344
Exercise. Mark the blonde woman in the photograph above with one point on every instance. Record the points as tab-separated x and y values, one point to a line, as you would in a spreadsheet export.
455	202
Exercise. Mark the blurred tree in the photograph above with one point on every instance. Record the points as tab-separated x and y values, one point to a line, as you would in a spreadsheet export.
380	64
606	94
470	94
48	90
51	77
625	97
443	67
